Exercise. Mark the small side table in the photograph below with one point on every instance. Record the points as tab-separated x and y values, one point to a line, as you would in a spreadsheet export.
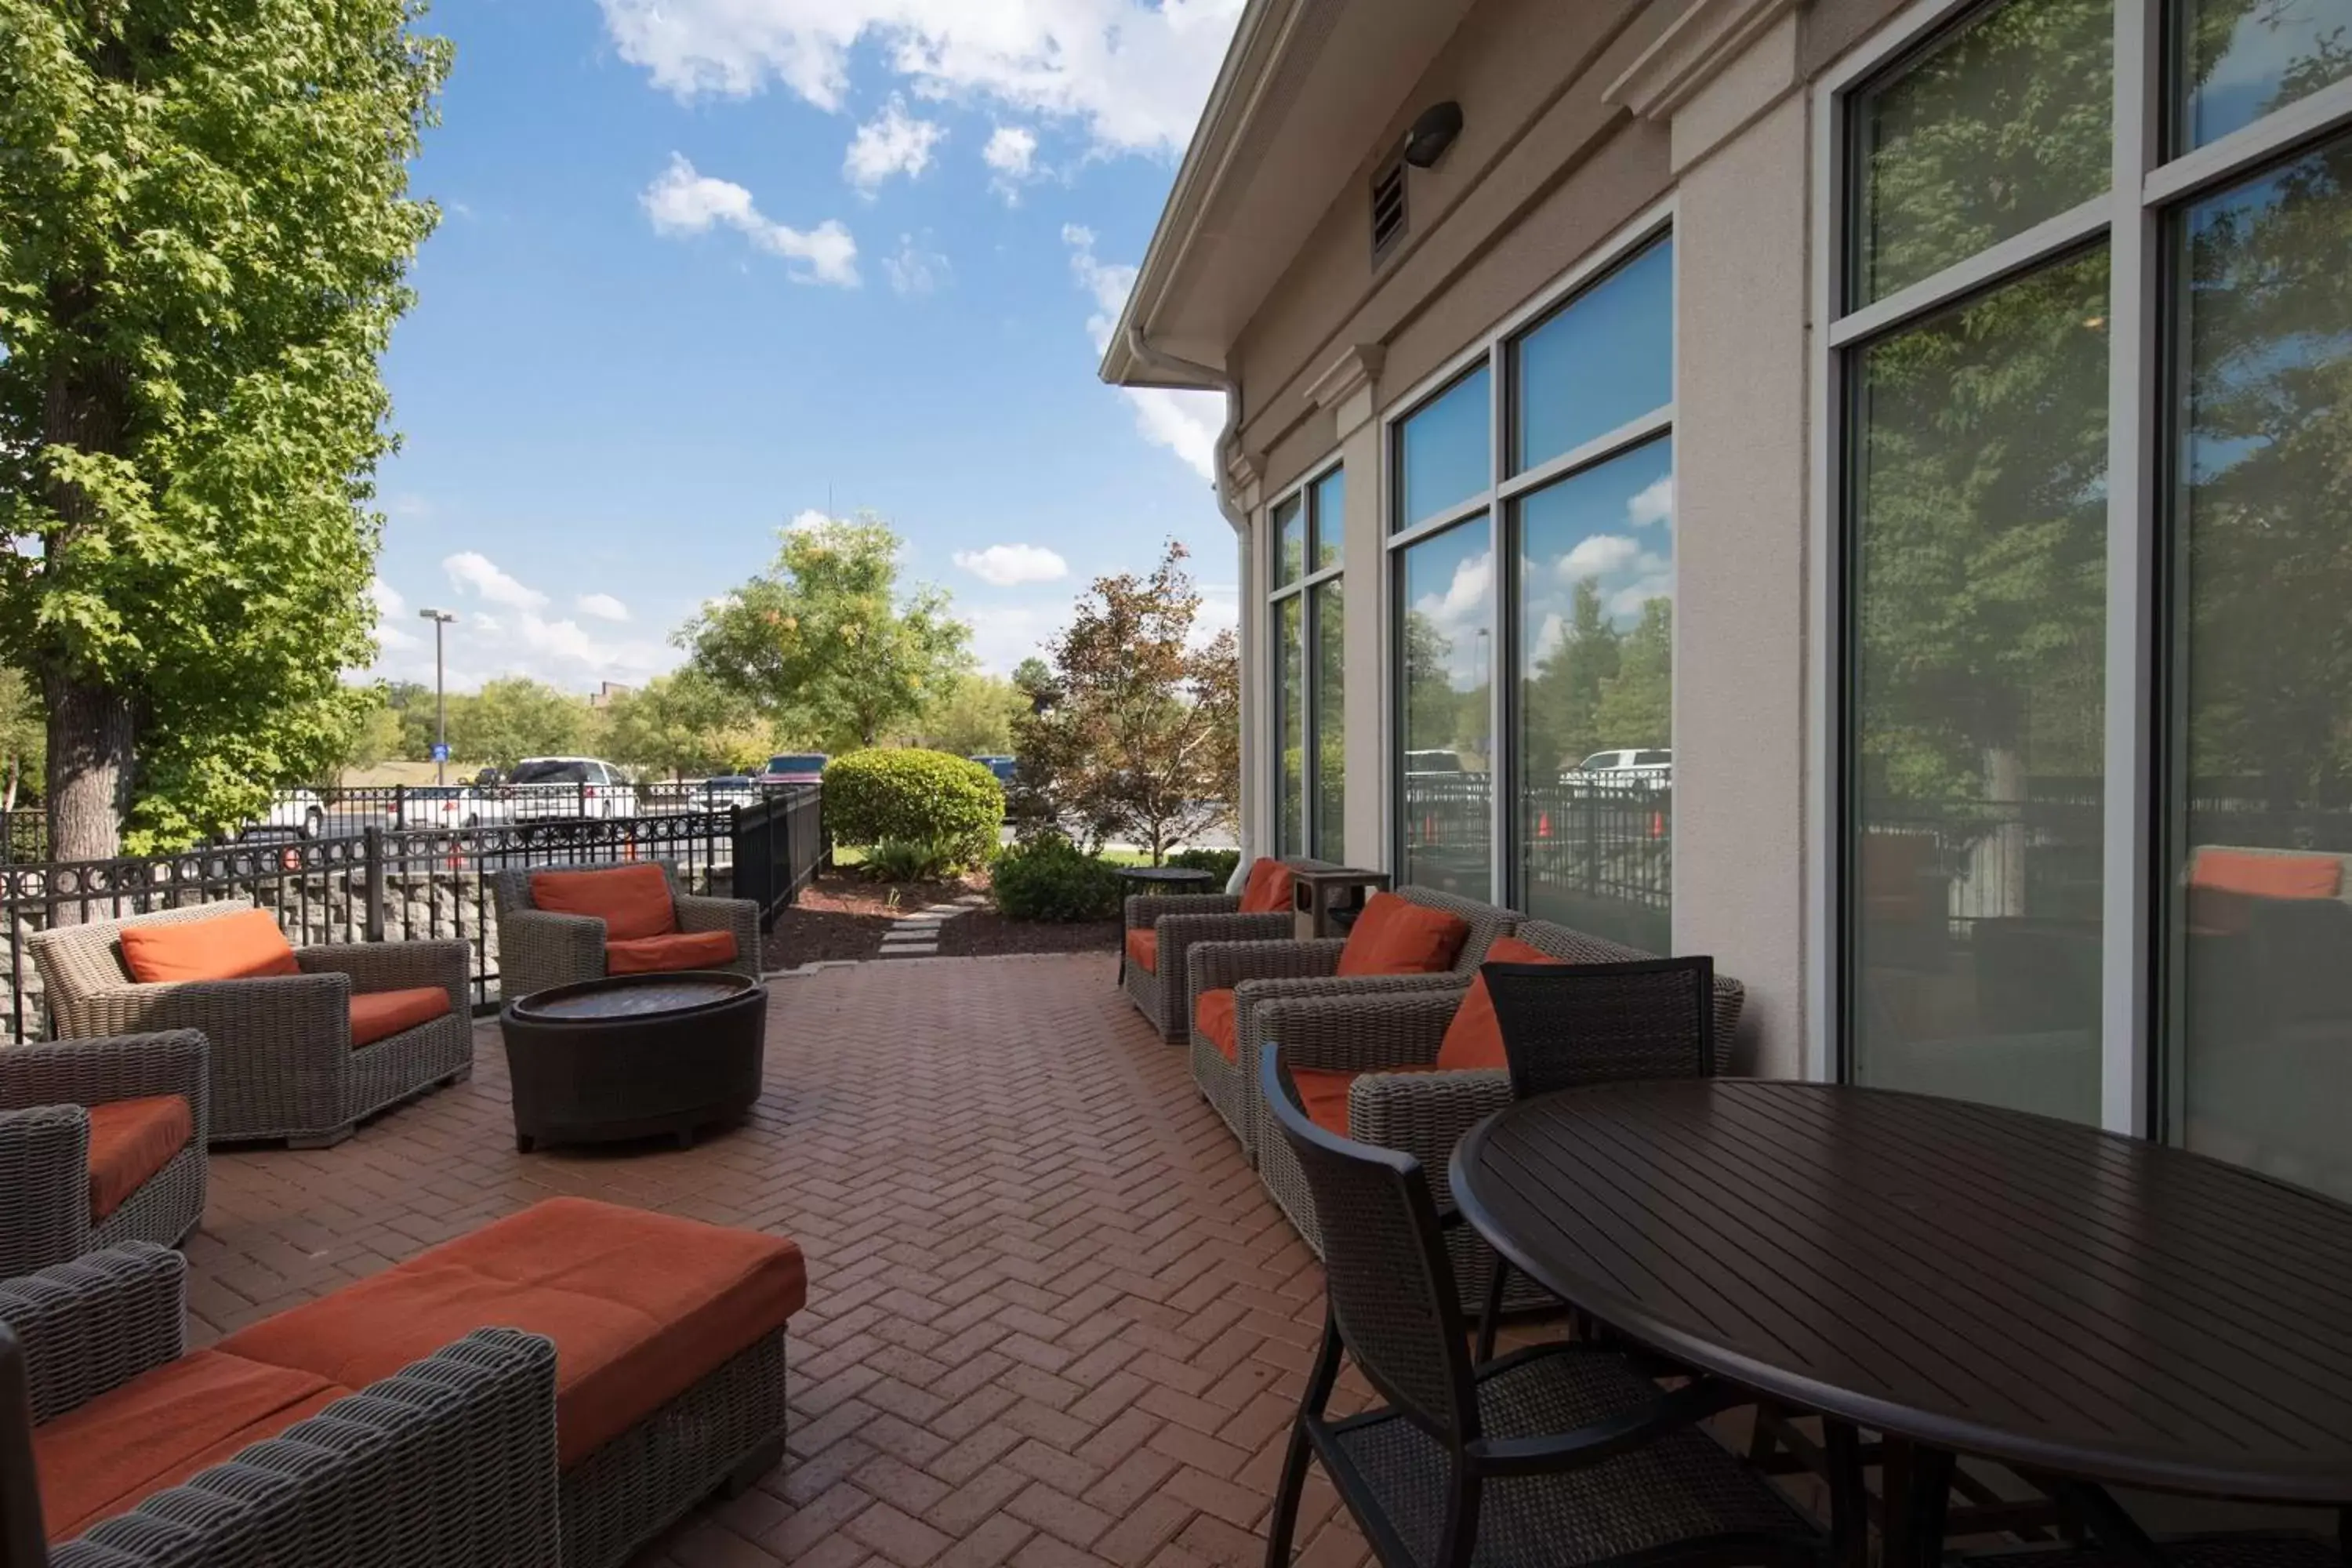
1157	879
1326	900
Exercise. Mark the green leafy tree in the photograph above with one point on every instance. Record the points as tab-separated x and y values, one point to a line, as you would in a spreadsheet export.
204	234
823	645
1636	705
1144	741
375	736
684	723
974	717
515	718
24	737
1563	696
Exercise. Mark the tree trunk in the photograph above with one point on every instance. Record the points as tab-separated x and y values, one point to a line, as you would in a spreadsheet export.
90	749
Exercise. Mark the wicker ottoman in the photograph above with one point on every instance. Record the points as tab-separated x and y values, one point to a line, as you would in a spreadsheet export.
634	1056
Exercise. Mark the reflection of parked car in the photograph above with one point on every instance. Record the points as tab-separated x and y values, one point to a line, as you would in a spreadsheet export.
795	768
727	789
300	810
569	786
451	806
1002	767
1433	763
1645	768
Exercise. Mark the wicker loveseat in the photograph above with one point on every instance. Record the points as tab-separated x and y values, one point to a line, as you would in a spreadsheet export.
101	1142
1392	1041
1260	972
283	1063
669	1335
1161	930
540	949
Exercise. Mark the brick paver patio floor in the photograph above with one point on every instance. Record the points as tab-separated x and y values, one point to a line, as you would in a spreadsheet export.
1053	1318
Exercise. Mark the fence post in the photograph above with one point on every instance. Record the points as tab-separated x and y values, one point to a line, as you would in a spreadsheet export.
371	847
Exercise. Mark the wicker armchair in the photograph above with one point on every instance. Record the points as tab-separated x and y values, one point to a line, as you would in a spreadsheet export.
1182	922
1262	972
282	1064
46	1091
450	1461
1398	1104
539	949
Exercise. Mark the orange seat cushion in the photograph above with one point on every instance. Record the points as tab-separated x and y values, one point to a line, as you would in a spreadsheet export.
130	1140
662	954
245	946
1324	1096
162	1426
1396	936
632	900
2268	876
1143	950
1267	892
1474	1040
641	1307
1217	1018
380	1014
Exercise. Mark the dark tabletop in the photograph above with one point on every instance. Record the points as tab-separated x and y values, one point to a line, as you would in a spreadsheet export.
1175	874
1972	1278
623	996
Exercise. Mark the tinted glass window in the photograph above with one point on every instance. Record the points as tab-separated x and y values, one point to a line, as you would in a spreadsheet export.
1605	360
2238	61
1331	518
1445	452
1448	613
551	772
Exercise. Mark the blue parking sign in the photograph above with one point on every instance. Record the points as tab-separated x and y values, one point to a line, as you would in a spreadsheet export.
440	751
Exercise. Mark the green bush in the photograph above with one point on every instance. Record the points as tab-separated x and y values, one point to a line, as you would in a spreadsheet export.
1218	863
878	796
1051	879
910	860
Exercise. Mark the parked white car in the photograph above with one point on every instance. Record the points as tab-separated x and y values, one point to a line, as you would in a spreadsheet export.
1627	769
453	806
542	788
295	810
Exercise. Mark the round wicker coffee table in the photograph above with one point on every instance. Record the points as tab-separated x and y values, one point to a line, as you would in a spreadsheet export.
634	1056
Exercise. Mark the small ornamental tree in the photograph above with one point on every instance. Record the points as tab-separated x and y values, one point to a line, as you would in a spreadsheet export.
1142	740
205	231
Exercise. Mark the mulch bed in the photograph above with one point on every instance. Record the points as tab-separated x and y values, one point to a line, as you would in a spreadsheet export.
842	917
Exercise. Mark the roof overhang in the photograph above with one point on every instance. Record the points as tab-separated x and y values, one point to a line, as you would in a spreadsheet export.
1307	89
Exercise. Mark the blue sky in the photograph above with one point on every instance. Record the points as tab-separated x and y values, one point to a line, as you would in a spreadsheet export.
710	266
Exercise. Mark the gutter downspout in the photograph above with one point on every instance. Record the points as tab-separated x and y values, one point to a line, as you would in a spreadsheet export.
1230	505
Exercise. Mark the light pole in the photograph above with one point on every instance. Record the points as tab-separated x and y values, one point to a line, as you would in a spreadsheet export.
439	618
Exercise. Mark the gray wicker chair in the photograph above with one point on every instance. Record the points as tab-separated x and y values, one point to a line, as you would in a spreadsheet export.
282	1064
539	949
1161	992
1398	1104
1557	1456
1262	972
451	1461
44	1093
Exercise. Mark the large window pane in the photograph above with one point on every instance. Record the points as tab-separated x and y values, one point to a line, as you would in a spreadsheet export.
1977	557
2237	60
1290	723
1444	452
1448	615
2004	123
2260	1032
1290	540
1596	698
1331	517
1603	361
1330	723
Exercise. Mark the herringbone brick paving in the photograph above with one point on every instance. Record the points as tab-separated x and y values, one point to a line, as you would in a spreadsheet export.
1053	1321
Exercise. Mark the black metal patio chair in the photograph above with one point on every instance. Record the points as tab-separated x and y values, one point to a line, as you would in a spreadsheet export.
1572	1026
1563	1455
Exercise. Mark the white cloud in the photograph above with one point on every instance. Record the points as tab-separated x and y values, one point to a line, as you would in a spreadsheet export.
682	202
915	270
1460	614
1186	423
1010	565
1653	504
1011	154
390	633
1597	556
896	143
388	602
808	521
1625	604
1132	74
603	606
472	570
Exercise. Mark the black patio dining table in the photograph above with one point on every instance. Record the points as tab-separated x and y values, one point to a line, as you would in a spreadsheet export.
1962	1280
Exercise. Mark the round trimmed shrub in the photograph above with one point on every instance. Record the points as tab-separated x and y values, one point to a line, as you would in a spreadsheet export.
883	796
1051	879
1218	863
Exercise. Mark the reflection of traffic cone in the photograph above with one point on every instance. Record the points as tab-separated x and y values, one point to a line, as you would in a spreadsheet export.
1657	824
1429	829
1543	825
629	850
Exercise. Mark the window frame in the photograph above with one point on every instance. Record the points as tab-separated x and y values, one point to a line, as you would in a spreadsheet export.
1494	352
2147	187
1307	491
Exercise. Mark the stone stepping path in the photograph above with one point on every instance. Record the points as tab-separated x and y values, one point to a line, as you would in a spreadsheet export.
918	935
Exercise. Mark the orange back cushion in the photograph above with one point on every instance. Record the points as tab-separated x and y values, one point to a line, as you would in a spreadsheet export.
1267	892
1395	936
2268	876
1474	1040
245	946
632	900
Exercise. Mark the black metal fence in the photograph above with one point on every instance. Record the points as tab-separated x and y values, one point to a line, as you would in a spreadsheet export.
382	883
